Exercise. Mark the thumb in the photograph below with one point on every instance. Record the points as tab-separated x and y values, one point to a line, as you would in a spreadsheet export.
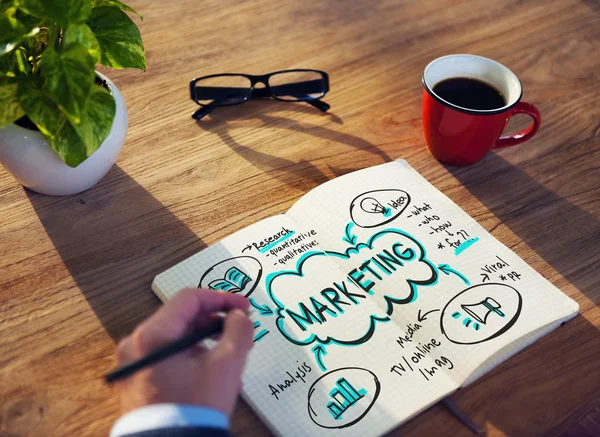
236	340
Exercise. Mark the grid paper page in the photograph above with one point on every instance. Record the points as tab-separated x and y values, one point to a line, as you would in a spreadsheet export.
374	297
484	297
285	373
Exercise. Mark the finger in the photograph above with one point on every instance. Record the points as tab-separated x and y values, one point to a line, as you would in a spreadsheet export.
190	303
125	352
205	320
178	316
197	350
236	340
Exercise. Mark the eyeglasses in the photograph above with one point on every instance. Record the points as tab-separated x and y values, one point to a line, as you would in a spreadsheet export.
234	89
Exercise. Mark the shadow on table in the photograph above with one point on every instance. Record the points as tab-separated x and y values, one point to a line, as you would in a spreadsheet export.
563	234
301	175
113	239
566	237
563	365
594	5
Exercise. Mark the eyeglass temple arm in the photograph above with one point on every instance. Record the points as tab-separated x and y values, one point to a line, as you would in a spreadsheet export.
301	90
205	110
202	112
259	93
319	104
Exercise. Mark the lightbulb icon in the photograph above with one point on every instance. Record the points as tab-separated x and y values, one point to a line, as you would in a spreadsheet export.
373	206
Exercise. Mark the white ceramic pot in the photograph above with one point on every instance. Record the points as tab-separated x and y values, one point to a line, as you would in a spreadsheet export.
28	157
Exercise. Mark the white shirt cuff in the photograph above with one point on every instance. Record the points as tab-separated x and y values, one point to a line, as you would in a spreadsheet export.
168	416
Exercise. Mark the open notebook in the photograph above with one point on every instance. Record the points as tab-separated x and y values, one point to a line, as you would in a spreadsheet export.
375	296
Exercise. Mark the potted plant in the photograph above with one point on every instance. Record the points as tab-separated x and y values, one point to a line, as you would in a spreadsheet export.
63	124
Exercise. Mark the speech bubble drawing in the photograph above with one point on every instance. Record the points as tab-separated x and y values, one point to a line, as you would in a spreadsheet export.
378	207
342	397
313	307
239	275
480	313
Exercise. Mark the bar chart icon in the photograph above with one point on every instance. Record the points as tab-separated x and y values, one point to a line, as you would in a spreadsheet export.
344	395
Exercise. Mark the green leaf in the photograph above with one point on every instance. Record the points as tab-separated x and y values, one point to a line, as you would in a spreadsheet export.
73	143
8	7
42	110
12	33
97	118
29	21
83	35
69	77
62	12
9	102
51	122
115	4
14	64
119	38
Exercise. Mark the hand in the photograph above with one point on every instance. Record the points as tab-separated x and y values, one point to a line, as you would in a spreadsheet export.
209	378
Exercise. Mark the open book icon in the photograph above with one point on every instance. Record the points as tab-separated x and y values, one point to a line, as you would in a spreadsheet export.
234	281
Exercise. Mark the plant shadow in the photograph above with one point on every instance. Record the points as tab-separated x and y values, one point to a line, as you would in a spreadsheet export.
303	174
113	239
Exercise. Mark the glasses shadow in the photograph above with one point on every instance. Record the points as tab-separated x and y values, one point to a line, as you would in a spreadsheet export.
303	174
114	239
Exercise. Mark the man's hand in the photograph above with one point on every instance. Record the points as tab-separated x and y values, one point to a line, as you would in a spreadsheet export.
209	378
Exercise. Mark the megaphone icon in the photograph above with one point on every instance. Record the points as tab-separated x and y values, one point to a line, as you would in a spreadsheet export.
480	311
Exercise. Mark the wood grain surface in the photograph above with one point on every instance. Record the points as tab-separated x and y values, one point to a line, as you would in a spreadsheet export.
75	272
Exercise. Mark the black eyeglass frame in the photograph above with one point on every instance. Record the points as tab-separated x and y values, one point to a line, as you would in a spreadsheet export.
260	92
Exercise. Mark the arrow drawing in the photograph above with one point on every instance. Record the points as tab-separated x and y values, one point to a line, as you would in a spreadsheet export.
319	352
420	317
349	238
264	310
248	247
448	270
485	277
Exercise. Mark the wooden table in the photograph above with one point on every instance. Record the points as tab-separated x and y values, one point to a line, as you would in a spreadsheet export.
75	272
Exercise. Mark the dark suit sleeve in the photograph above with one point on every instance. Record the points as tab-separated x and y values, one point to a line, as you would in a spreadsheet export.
182	432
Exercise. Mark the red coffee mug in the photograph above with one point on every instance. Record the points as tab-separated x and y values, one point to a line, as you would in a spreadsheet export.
462	136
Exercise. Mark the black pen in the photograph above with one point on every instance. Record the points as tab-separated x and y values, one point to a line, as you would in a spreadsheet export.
166	351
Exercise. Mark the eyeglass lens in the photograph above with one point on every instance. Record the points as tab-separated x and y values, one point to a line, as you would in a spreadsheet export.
222	90
297	85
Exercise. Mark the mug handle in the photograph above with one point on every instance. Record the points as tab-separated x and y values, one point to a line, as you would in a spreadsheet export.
524	135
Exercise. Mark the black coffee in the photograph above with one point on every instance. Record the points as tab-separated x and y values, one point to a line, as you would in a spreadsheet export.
469	93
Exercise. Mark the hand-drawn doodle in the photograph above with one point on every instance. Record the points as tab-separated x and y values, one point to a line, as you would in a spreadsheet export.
261	334
342	397
312	307
423	317
372	206
263	310
378	207
319	350
349	237
239	275
465	245
447	270
480	313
